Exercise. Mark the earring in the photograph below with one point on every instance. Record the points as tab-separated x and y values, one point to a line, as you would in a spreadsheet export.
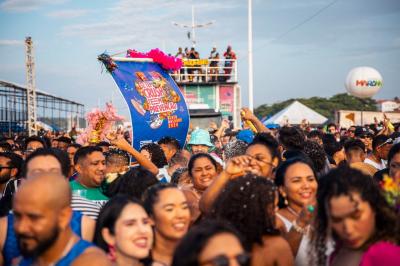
111	253
285	201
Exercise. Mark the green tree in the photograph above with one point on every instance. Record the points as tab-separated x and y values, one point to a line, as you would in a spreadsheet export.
324	106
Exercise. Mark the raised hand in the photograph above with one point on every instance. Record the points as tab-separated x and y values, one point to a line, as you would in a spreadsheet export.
246	114
118	141
307	213
238	166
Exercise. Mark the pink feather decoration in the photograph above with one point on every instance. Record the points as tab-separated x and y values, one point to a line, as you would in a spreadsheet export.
167	62
99	124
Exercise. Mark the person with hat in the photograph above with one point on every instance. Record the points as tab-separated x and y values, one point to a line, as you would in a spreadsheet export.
381	145
245	135
200	142
364	135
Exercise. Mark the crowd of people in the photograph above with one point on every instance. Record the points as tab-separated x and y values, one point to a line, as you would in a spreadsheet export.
216	69
289	196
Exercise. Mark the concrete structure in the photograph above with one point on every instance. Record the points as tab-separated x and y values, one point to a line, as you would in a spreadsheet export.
347	118
388	105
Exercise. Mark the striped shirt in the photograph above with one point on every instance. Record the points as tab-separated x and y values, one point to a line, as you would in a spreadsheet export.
87	207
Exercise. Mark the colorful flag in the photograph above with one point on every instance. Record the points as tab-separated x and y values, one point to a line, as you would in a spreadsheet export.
156	103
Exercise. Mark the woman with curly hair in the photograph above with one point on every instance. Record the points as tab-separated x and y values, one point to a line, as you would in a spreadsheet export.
318	157
206	244
248	203
261	158
353	213
154	153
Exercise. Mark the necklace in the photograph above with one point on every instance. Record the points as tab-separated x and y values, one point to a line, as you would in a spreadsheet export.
292	211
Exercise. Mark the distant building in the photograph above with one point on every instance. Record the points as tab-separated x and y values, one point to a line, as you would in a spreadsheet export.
388	105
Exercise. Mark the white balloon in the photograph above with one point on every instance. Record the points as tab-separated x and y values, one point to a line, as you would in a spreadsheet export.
363	82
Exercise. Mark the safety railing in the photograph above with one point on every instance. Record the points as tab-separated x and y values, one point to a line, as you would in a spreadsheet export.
206	71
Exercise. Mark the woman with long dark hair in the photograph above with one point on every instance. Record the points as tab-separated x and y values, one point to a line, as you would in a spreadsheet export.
298	185
124	231
202	170
169	211
353	213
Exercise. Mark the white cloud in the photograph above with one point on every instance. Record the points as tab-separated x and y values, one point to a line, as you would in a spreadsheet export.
11	42
68	13
91	30
149	24
26	5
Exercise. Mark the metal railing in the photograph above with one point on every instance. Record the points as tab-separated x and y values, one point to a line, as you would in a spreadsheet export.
207	70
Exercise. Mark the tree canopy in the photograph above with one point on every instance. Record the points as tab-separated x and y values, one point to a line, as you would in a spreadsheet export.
324	106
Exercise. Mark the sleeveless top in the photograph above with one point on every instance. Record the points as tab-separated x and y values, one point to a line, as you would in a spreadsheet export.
302	256
381	253
11	249
67	260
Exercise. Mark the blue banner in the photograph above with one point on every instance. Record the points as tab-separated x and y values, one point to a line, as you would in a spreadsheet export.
156	104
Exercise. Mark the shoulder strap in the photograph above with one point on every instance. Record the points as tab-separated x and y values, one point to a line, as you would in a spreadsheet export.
74	253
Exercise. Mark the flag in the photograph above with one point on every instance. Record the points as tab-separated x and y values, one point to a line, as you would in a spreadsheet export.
155	102
351	116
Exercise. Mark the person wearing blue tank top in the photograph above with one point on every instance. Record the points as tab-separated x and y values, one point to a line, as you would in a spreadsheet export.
42	225
10	248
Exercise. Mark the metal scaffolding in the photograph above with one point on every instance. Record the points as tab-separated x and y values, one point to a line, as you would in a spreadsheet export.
31	87
58	113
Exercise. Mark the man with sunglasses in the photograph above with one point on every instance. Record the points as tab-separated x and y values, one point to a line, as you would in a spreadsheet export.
393	165
364	135
351	132
381	145
33	143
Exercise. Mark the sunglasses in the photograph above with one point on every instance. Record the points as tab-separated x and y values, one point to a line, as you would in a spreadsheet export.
222	260
388	141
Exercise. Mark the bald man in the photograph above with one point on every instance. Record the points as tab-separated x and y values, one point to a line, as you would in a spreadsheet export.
40	162
42	216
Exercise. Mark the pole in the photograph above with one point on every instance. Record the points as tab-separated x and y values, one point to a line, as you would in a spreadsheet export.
193	26
250	53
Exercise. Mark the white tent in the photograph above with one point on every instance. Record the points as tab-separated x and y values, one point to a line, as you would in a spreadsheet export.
294	114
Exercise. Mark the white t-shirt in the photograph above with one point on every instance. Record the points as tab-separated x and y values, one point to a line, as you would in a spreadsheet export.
378	166
163	175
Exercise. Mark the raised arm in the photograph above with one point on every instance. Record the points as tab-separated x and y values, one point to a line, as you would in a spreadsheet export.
235	167
221	129
246	114
120	142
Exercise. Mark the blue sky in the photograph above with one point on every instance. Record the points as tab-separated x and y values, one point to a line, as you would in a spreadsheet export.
302	48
